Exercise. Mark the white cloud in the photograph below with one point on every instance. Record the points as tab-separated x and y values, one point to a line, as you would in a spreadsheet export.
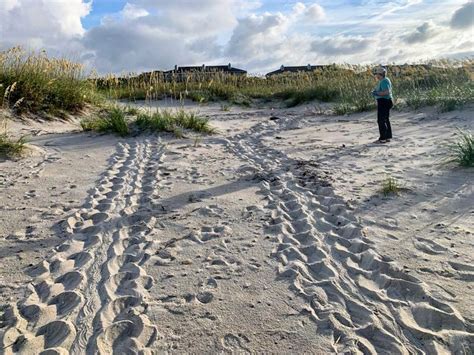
340	45
7	5
463	17
132	12
157	34
258	35
311	13
315	13
422	33
36	23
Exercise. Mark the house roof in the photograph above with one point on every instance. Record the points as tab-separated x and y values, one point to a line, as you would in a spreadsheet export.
295	69
204	68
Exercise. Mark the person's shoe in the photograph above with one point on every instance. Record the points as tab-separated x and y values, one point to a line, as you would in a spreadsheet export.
388	140
382	141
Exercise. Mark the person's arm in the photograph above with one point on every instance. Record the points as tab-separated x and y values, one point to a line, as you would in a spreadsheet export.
385	89
382	93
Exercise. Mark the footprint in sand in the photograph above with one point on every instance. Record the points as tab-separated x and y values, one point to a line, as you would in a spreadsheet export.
235	343
209	233
429	246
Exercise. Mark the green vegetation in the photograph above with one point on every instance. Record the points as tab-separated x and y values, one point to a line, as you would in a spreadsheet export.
117	120
11	148
36	83
462	151
175	122
390	186
444	84
112	121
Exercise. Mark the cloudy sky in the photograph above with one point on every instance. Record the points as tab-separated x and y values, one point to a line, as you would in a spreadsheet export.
115	36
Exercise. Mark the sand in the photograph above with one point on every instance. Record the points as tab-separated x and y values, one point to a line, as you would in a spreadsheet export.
271	236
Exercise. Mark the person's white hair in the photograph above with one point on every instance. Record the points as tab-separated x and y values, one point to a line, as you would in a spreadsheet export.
380	70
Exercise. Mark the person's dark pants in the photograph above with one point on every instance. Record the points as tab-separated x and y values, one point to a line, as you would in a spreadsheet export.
383	118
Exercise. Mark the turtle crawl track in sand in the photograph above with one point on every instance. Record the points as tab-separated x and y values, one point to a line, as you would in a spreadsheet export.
365	302
91	295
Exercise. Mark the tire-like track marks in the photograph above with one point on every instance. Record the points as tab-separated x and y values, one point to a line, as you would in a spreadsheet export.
365	302
90	295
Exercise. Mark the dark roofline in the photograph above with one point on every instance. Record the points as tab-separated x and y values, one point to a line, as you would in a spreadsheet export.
295	69
206	68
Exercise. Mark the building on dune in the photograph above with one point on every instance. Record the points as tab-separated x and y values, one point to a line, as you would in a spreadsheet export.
296	69
186	72
407	69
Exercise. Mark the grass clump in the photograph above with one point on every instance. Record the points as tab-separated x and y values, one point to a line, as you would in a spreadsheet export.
173	122
390	186
34	82
113	121
11	148
462	151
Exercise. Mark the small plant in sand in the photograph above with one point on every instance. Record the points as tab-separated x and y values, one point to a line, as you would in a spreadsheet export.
225	107
197	141
11	148
113	121
133	111
462	151
390	186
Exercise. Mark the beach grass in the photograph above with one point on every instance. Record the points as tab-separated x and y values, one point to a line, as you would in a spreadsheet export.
112	121
445	84
11	148
462	151
34	82
173	122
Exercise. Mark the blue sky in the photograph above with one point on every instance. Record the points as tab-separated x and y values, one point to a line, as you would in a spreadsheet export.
259	35
100	8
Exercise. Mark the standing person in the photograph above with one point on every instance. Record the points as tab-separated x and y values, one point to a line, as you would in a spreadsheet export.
383	95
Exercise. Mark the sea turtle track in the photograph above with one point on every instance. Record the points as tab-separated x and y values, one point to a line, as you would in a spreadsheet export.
90	295
364	301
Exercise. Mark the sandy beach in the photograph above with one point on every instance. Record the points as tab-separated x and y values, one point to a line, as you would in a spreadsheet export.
271	236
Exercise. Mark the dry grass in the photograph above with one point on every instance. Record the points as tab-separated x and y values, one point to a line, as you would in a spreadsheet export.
446	85
32	81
